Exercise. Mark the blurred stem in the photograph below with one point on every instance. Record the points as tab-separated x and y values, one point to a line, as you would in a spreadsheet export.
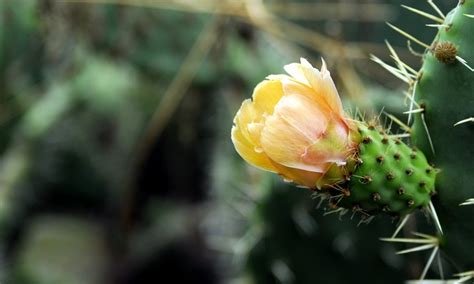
353	84
359	12
170	102
15	164
261	15
181	82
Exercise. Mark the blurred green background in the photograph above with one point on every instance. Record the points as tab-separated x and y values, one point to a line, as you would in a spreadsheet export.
116	162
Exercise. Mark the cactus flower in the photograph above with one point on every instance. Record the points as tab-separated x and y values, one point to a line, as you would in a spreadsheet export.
295	126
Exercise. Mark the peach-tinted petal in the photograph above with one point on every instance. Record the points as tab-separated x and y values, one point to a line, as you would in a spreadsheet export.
297	71
296	124
322	83
302	115
247	151
304	178
292	87
330	148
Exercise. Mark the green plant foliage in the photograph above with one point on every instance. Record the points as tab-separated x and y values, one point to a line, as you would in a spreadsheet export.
76	246
445	90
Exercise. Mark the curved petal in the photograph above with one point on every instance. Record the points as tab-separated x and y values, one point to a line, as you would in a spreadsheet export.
252	114
247	151
300	177
245	115
298	73
331	147
296	124
255	130
266	95
292	87
320	81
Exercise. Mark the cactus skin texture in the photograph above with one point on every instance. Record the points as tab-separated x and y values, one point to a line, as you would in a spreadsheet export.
445	90
390	177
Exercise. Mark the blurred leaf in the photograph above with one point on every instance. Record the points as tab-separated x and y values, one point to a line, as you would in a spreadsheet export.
62	249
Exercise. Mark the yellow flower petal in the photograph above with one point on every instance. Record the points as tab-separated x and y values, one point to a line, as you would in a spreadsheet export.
266	95
247	114
251	115
247	151
255	130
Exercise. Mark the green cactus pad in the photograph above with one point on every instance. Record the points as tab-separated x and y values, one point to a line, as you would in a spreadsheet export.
390	176
446	92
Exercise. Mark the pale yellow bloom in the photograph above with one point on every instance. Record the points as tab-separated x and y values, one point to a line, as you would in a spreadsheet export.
295	126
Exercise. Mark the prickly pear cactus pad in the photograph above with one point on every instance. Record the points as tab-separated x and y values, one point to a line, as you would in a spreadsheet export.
445	91
441	96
